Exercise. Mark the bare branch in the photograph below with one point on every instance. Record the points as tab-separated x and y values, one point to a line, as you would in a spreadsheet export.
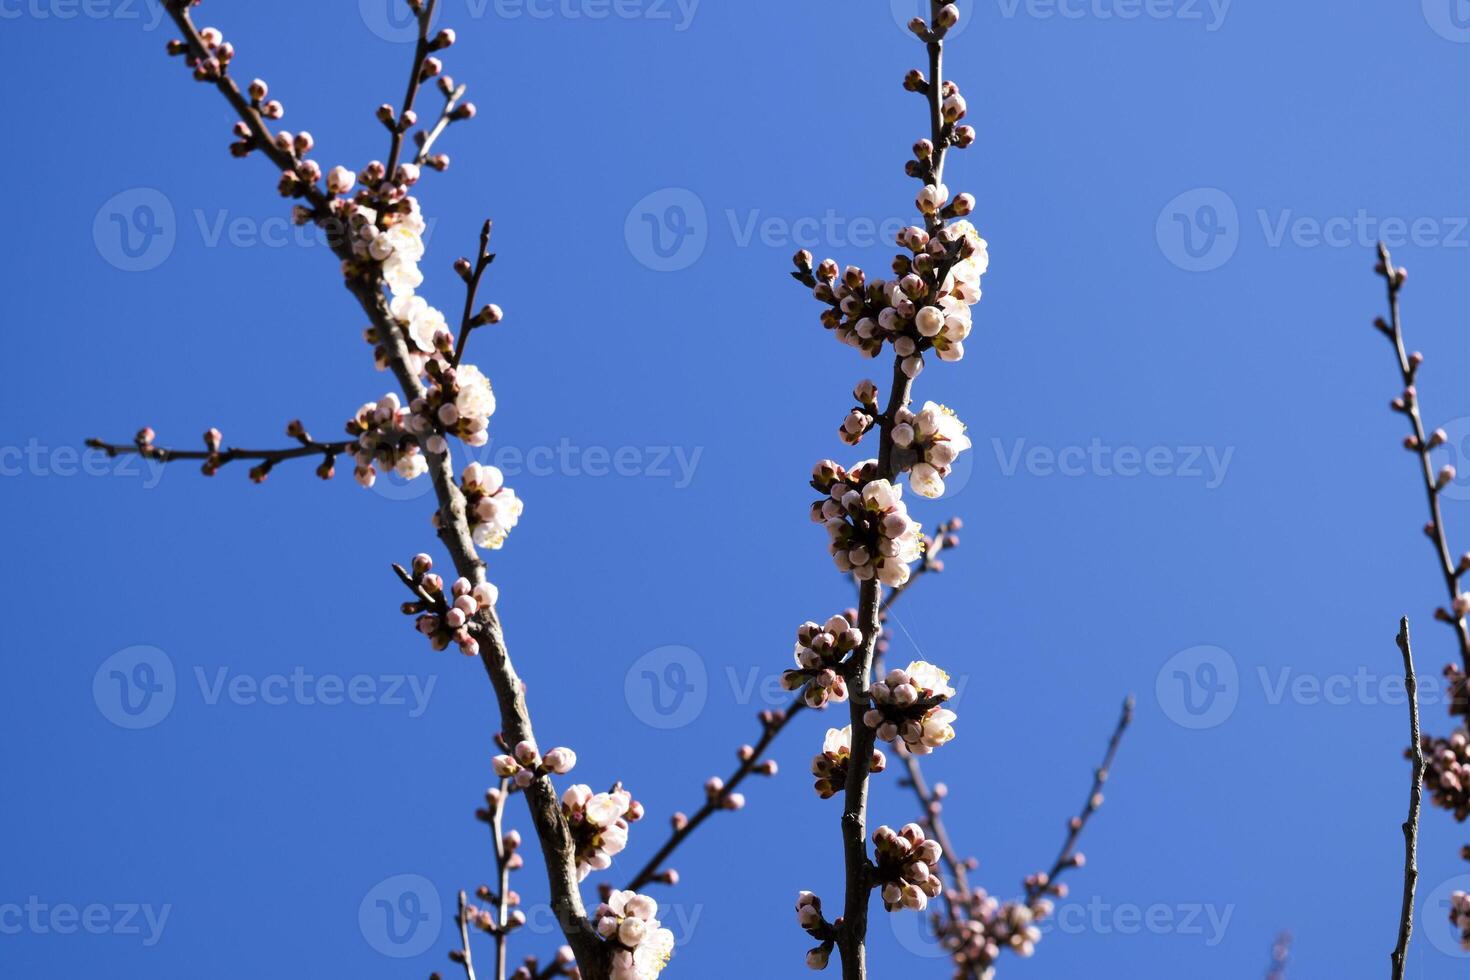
1422	444
1411	825
1068	856
215	457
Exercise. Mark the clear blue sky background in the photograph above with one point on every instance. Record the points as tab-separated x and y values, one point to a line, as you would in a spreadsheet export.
263	830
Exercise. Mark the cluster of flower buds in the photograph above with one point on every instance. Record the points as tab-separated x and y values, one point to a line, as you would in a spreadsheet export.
988	928
862	417
392	233
820	651
907	705
641	947
382	430
872	535
459	401
926	306
928	443
599	824
218	53
525	764
1460	916
1447	772
445	620
493	507
830	767
809	917
907	866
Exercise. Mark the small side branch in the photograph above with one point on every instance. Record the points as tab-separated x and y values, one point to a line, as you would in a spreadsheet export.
1068	857
213	455
1411	825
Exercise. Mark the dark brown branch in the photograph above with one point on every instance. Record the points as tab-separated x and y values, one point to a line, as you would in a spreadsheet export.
266	458
1411	825
400	126
470	320
1067	857
1422	445
551	829
774	723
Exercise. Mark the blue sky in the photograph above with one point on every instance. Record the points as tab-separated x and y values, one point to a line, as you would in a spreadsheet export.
1184	466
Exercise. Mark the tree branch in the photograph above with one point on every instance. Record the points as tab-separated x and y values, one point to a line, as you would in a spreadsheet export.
454	526
1068	857
1422	445
1411	825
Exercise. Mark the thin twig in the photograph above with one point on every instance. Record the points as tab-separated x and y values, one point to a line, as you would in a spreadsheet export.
1411	825
654	869
465	956
1423	444
1067	856
267	457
